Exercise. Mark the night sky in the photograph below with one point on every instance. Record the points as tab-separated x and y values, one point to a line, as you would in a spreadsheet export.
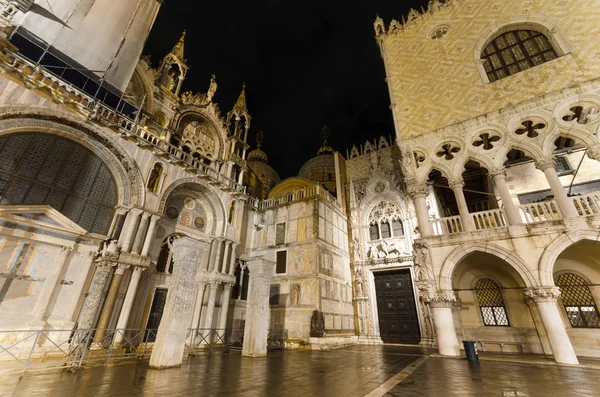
306	64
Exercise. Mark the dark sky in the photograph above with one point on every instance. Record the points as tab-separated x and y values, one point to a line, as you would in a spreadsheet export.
305	63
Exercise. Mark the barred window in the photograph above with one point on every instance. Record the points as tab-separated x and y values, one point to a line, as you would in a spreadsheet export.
515	51
578	301
374	232
385	230
491	303
281	265
397	228
45	169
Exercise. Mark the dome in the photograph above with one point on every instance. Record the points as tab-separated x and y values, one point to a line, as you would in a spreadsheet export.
319	169
265	173
258	155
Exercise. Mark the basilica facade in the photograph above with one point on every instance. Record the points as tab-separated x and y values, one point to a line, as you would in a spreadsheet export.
136	212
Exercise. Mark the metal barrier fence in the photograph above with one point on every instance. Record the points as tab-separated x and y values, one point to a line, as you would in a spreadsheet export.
27	350
207	339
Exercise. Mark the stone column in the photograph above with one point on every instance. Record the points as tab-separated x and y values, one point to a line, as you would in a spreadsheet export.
256	330
117	226
94	296
109	303
567	208
226	254
217	262
512	215
242	270
224	306
150	235
128	304
140	236
441	308
418	193
170	341
465	217
545	299
131	225
198	305
210	308
232	259
50	284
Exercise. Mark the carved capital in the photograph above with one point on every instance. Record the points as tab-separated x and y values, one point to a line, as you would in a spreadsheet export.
498	173
456	184
121	268
214	284
543	294
444	298
227	287
544	163
139	269
417	190
594	153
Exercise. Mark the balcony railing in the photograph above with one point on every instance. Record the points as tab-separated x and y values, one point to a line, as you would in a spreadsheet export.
297	195
545	211
76	99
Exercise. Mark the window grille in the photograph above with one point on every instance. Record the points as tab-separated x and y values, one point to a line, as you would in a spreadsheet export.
578	301
491	303
397	228
374	232
280	234
515	51
281	262
562	165
385	230
44	169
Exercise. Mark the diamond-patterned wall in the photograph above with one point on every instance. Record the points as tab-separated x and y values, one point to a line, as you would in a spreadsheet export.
436	83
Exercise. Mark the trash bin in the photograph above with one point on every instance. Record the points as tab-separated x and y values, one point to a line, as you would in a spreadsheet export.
471	351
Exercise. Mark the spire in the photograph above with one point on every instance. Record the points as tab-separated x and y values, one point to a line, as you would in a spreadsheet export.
240	104
178	49
325	135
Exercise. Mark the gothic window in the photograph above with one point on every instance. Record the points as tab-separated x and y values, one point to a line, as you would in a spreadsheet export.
578	301
281	264
515	51
154	179
397	228
280	234
491	303
232	210
374	232
385	230
44	169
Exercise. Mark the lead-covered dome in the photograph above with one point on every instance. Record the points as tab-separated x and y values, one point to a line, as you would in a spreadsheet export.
258	164
321	168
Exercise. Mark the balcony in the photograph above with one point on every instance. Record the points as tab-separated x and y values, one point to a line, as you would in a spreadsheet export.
531	214
44	81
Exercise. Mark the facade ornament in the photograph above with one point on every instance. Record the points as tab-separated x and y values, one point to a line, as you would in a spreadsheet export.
317	325
406	155
543	294
444	298
384	249
497	172
455	184
358	282
212	88
544	163
295	294
8	9
422	260
111	251
417	190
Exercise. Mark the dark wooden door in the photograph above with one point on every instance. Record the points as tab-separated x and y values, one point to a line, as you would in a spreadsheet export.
398	321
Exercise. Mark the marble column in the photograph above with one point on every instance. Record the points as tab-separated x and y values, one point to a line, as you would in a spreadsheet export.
109	303
150	235
169	347
256	330
547	166
200	289
129	229
512	215
546	301
128	304
140	236
93	300
242	270
419	193
216	265
210	308
232	258
226	254
441	310
117	226
224	307
50	284
465	217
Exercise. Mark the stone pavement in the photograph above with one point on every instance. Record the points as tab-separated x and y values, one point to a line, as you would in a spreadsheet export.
375	371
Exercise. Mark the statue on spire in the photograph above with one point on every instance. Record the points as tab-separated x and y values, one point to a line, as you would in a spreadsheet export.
325	135
260	138
212	88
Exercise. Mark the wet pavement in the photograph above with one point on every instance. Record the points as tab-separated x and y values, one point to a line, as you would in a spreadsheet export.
353	371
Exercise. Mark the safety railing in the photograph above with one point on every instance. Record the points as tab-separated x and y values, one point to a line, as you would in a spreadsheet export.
540	212
490	219
25	350
200	340
448	225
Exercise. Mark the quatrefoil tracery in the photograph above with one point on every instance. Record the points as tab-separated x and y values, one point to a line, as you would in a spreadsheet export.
419	158
447	151
582	115
486	141
530	128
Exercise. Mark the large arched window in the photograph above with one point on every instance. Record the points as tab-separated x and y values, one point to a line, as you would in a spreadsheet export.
577	301
45	169
385	221
515	51
491	303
